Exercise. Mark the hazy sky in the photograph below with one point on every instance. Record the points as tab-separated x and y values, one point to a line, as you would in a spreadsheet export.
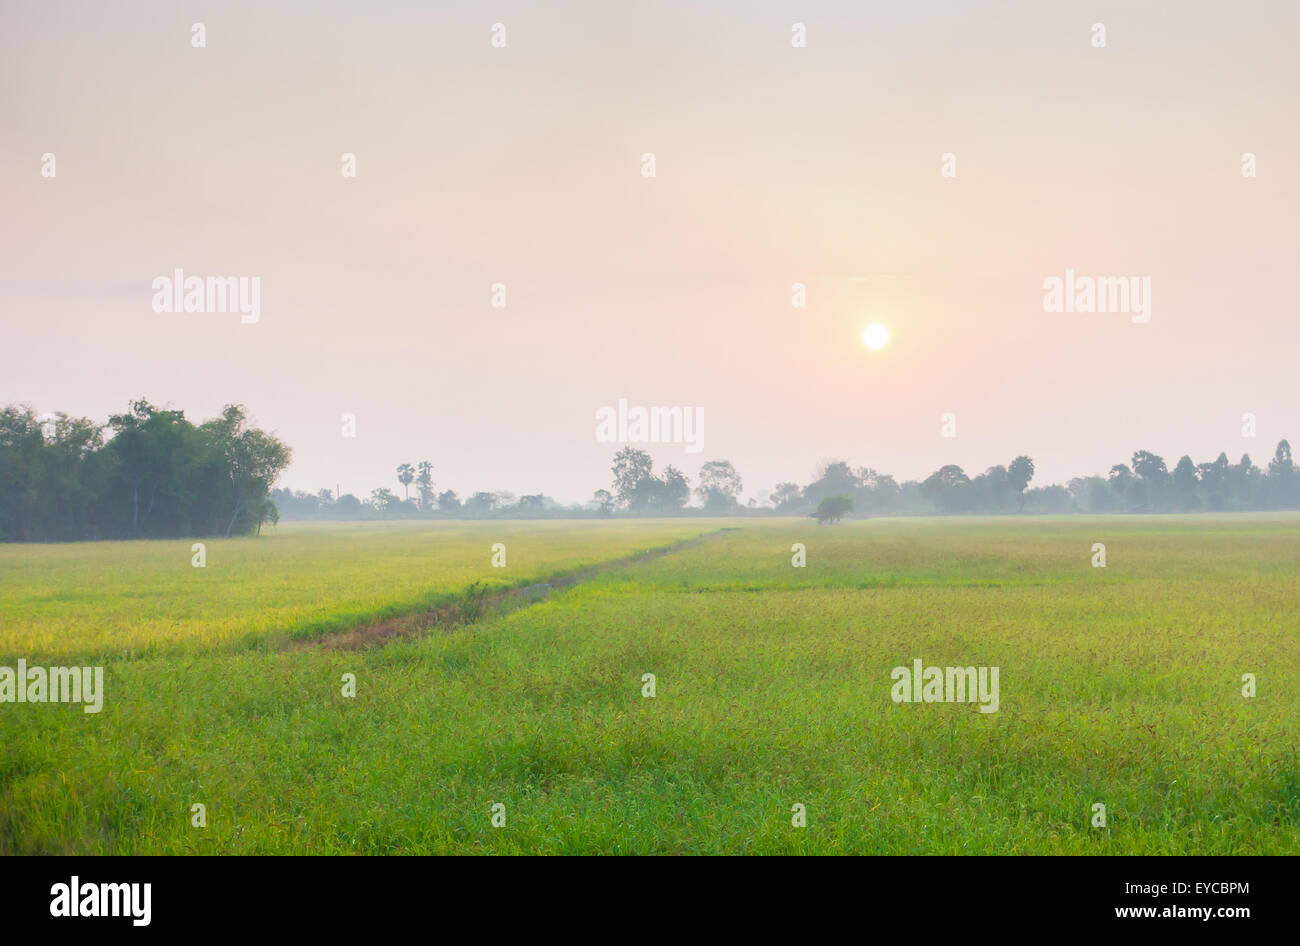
774	165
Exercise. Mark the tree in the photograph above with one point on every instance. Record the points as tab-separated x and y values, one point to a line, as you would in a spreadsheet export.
832	478
1151	470
879	492
253	459
647	495
604	500
424	485
676	489
382	499
1049	499
1100	496
995	484
145	442
52	474
1244	479
406	476
832	508
786	495
481	503
1185	483
1019	473
631	466
448	501
1281	464
1121	478
947	487
1283	476
1214	480
1149	466
720	485
267	511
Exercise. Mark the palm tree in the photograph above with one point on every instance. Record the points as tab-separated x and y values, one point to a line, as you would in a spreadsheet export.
425	480
406	476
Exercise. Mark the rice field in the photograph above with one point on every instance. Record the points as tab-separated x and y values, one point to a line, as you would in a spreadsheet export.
771	728
105	599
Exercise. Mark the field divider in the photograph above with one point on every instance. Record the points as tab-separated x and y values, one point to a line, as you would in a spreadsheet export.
477	604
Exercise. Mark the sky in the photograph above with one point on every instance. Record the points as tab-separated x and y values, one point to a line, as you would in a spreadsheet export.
774	164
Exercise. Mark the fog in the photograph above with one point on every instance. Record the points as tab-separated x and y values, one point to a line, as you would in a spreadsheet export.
501	268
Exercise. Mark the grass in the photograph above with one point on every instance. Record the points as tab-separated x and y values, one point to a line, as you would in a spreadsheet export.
90	600
1119	685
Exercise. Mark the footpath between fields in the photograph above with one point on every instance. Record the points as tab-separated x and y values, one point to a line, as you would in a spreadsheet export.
476	603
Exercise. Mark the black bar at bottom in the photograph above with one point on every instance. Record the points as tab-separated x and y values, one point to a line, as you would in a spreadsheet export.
298	895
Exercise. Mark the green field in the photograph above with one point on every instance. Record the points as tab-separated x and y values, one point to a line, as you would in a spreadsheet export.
93	599
1119	685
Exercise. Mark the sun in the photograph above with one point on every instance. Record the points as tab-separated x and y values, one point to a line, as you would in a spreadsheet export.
875	336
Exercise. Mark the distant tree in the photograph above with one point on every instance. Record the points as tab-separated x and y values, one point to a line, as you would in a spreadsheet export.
267	511
1185	483
1078	490
406	476
382	500
481	503
145	441
948	488
879	491
1244	479
832	508
720	485
631	467
995	486
1282	464
1101	497
1149	466
295	504
1019	473
52	476
253	460
676	489
424	484
1284	480
834	477
1121	478
1214	480
604	500
786	495
1049	499
448	501
1151	470
647	495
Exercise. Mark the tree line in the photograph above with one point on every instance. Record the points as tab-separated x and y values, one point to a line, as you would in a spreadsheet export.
151	473
1144	485
146	473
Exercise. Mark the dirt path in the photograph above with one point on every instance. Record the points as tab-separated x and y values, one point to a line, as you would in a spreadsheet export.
478	604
